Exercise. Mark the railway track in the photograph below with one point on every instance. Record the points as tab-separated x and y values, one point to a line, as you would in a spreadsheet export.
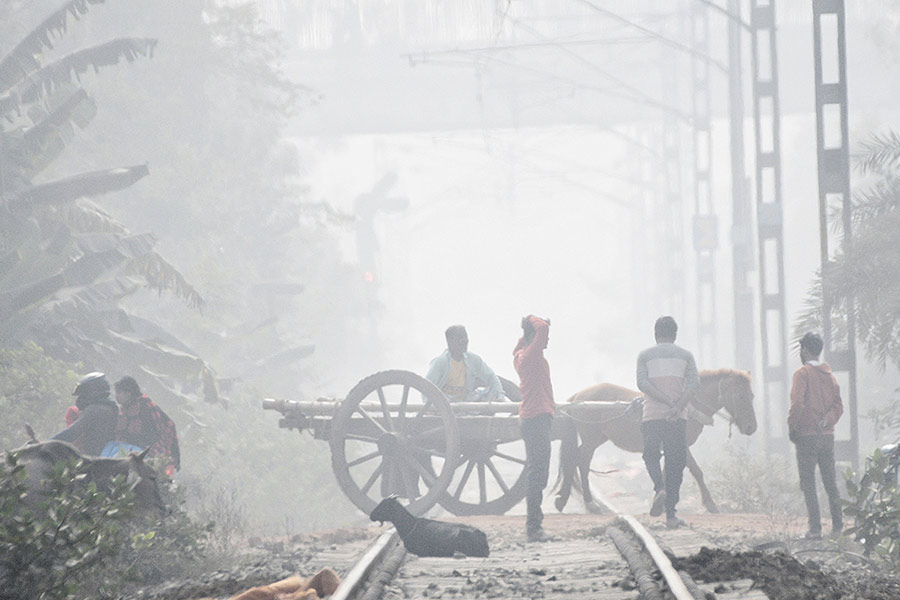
612	556
724	552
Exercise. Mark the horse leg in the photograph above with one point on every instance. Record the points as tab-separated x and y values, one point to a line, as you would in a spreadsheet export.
694	468
585	456
568	451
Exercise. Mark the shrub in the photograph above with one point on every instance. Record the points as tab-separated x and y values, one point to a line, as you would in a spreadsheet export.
221	506
743	482
874	504
47	551
81	542
154	549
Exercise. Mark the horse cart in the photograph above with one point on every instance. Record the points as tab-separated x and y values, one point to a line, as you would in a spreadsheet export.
396	433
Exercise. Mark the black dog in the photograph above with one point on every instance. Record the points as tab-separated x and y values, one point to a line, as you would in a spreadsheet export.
427	537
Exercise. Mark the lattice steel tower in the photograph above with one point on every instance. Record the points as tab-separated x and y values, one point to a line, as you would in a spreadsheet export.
830	52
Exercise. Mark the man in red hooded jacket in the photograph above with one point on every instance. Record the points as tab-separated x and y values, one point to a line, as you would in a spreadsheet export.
815	408
535	417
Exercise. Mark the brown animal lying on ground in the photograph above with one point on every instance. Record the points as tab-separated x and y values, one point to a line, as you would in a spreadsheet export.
40	458
320	585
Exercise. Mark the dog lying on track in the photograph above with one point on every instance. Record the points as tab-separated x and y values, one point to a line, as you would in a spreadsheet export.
322	584
427	537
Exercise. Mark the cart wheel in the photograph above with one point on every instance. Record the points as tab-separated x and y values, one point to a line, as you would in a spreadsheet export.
393	434
490	478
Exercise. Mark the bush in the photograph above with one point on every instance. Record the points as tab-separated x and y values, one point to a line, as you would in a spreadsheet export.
221	506
81	542
48	547
742	482
874	504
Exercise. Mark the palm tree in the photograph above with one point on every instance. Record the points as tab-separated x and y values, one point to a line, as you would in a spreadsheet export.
65	264
870	274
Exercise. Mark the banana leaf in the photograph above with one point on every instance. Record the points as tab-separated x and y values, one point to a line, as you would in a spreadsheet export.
22	60
76	186
72	66
41	144
83	271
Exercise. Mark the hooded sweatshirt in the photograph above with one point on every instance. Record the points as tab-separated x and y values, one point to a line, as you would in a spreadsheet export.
534	372
815	399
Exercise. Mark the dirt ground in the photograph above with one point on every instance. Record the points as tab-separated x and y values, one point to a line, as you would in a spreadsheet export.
786	566
750	546
747	547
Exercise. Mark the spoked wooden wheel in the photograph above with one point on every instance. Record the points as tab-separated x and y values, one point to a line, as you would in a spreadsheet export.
490	476
394	434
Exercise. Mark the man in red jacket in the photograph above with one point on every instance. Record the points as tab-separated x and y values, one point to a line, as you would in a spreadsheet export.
815	408
535	416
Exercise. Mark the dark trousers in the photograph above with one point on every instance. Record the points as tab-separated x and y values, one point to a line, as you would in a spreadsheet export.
818	450
536	435
669	436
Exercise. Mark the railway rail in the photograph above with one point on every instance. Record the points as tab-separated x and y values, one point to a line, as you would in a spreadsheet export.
731	557
396	434
616	557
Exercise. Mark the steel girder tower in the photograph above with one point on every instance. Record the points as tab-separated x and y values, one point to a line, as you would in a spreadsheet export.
671	195
832	142
743	261
705	226
770	229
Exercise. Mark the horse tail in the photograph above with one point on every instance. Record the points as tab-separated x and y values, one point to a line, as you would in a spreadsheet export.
568	458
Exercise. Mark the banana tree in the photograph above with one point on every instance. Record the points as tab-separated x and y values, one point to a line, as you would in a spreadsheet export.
867	280
65	263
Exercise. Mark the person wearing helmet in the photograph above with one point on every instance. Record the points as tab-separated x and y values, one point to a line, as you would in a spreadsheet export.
97	416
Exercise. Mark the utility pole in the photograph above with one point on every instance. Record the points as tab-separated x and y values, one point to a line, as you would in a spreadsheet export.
770	229
705	226
832	142
741	231
671	196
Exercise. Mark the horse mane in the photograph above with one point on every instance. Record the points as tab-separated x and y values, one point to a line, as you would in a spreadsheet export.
724	372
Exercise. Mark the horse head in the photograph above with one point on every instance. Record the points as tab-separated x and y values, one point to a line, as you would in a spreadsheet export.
143	481
736	394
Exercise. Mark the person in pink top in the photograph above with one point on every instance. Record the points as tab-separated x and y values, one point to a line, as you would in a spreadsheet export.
535	417
815	408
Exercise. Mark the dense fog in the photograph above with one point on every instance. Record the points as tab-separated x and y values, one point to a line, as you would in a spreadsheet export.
333	183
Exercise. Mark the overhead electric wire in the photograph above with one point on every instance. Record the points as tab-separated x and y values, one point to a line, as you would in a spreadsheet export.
612	91
727	13
637	94
525	46
656	35
649	100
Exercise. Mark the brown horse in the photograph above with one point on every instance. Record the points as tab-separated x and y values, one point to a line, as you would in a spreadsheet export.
601	413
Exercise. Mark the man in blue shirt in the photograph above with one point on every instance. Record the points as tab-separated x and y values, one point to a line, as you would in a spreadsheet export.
462	375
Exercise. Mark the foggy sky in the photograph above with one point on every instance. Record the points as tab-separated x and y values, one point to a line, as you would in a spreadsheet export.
525	138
